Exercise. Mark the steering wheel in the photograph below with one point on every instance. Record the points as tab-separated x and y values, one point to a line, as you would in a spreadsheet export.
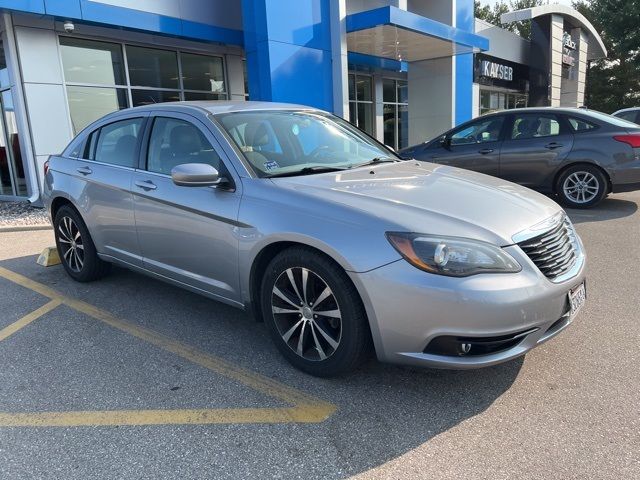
318	151
471	139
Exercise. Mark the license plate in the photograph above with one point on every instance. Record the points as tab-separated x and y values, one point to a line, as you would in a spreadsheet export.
577	297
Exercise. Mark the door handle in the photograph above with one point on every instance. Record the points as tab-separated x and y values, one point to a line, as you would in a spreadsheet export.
85	170
552	145
484	151
146	185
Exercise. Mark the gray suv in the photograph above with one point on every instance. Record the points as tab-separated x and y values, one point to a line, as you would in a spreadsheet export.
580	155
322	232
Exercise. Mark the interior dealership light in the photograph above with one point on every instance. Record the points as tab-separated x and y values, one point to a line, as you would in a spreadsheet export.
452	256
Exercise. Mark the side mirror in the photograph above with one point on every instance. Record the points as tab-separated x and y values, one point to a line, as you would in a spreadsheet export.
196	175
445	142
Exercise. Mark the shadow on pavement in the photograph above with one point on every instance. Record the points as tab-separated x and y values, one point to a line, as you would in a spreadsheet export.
609	209
383	411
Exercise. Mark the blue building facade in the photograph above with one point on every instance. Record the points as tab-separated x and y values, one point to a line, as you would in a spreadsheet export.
402	70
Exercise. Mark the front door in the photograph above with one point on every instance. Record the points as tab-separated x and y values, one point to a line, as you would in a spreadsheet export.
474	146
536	143
187	234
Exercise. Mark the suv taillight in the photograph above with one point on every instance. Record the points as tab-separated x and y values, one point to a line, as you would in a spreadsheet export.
46	167
633	140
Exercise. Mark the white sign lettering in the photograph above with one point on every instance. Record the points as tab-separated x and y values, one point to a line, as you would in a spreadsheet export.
496	70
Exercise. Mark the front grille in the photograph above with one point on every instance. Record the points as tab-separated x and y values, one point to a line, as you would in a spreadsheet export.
553	252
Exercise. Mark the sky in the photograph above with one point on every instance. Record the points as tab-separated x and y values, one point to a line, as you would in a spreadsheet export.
491	2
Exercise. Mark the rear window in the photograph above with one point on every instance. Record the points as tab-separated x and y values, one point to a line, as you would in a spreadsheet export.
610	119
580	124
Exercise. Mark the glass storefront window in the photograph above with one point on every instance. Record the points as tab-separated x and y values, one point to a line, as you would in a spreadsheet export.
96	77
148	97
88	104
492	101
150	67
395	112
87	61
200	72
361	107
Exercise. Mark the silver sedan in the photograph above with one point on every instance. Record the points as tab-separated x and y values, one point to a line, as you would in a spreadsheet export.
323	233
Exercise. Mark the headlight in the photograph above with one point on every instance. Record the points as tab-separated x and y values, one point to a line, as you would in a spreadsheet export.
452	256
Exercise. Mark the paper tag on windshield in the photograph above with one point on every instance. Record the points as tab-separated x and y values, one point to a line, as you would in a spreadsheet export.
271	165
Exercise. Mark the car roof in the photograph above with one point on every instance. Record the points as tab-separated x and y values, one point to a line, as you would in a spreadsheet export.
222	106
632	109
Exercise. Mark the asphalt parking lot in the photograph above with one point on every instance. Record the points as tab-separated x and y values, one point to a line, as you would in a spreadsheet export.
132	378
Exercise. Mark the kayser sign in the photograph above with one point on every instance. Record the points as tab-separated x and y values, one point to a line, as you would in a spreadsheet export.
496	70
490	70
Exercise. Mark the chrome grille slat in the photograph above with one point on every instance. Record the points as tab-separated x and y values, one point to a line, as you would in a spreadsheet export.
554	251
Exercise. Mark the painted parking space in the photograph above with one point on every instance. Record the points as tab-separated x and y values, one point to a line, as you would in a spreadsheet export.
300	407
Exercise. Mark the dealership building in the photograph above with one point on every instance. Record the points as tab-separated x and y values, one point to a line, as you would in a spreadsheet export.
401	70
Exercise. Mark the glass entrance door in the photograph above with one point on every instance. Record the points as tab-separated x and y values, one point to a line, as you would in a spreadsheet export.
12	178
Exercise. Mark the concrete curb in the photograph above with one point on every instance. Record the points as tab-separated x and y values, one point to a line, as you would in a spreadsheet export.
25	228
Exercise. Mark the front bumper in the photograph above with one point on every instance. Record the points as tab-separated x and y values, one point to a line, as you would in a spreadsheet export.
408	308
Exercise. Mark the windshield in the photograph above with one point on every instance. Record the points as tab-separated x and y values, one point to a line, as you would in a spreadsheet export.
279	143
617	121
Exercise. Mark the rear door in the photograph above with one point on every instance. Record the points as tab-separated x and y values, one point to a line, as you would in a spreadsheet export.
474	146
100	185
534	146
187	234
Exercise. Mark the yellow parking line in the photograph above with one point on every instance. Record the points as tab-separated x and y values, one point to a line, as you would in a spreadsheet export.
305	408
305	414
27	319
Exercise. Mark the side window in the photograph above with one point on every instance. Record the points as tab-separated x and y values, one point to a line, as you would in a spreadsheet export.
580	125
534	126
174	142
117	142
480	132
629	116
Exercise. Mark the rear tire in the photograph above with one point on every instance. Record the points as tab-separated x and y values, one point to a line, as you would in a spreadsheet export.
581	186
314	313
77	252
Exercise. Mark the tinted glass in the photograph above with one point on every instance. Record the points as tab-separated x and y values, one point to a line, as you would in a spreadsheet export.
388	90
580	125
117	143
4	72
174	142
534	126
148	97
87	104
87	61
352	86
13	143
363	88
403	91
149	67
200	72
204	96
479	132
629	116
610	119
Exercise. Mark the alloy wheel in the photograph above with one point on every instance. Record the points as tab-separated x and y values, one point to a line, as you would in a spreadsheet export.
71	244
581	187
306	314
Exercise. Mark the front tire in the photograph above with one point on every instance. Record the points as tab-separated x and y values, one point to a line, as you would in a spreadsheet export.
77	252
314	313
581	186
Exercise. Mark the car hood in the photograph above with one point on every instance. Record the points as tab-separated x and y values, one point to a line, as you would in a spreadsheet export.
428	198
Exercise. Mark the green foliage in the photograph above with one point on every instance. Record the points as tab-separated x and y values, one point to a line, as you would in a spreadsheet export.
614	83
492	14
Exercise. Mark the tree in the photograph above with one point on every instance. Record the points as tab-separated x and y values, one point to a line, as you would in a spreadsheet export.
492	15
614	83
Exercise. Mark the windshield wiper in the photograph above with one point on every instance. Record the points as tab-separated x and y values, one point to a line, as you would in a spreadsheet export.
376	160
308	171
